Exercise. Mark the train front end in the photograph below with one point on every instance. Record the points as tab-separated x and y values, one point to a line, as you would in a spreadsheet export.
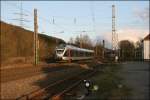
59	51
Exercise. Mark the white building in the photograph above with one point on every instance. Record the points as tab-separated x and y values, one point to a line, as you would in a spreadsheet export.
146	47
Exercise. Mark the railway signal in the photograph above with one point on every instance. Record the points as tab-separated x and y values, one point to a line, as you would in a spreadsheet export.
88	86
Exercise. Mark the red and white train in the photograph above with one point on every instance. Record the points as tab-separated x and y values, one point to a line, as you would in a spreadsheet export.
70	52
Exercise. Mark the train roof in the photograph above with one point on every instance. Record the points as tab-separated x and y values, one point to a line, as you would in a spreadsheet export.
80	49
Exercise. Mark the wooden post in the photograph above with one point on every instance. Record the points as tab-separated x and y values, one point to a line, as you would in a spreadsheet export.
35	38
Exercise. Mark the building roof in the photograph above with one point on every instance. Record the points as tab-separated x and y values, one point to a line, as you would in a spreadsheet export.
147	37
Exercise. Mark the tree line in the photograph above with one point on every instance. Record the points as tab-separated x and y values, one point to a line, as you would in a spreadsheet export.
127	50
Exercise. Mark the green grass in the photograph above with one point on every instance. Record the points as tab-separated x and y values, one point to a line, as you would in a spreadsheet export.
111	85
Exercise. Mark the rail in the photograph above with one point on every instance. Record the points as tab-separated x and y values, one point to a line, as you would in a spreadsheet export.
59	88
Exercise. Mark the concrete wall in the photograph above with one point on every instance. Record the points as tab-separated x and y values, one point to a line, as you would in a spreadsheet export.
146	49
17	45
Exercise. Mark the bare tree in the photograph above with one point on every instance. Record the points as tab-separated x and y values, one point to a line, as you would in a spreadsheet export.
138	50
85	41
71	41
77	41
98	49
126	50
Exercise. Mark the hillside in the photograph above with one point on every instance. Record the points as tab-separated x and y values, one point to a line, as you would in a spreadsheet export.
17	44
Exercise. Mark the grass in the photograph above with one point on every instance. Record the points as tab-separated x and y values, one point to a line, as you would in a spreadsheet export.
111	86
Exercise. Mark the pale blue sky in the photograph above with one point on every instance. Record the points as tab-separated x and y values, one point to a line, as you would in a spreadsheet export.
128	14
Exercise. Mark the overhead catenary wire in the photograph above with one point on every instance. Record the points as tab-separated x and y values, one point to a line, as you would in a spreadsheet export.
59	26
40	17
54	18
21	18
93	16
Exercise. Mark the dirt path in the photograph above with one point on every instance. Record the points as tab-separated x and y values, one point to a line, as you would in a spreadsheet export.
136	75
32	79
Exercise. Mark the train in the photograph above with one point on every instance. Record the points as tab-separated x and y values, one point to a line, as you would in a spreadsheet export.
70	52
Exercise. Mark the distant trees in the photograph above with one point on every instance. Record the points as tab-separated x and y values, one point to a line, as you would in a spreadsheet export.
82	41
99	49
138	50
71	41
127	50
130	51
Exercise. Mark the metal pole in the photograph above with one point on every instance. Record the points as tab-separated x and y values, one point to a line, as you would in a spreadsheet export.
103	49
96	49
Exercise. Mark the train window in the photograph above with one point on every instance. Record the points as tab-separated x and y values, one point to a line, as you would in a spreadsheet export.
60	51
78	53
91	54
81	53
84	54
73	53
88	54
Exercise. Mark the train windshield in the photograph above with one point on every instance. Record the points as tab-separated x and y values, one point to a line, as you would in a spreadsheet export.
61	46
60	51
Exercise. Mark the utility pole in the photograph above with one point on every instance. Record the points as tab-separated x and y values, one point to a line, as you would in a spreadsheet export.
96	49
103	53
35	38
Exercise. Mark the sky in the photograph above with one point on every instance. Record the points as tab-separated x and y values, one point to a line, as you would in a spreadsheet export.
65	19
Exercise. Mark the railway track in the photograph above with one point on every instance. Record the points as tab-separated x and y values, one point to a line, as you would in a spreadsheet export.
57	90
